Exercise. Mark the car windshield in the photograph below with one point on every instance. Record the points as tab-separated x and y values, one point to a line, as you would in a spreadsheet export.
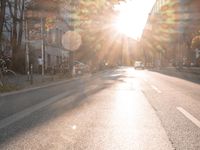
138	63
99	74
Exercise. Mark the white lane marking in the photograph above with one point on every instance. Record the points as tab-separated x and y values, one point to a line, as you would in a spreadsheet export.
189	116
156	89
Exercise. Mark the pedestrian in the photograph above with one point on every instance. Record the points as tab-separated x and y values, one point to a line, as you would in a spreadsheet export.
40	62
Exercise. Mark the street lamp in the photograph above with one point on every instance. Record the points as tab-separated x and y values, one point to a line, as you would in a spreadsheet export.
42	44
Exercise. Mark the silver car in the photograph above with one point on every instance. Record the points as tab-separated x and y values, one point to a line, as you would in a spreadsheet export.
138	65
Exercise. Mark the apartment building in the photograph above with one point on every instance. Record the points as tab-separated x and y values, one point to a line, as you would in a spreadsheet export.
45	29
172	25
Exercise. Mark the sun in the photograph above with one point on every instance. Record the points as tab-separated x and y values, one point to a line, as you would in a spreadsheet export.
132	17
127	25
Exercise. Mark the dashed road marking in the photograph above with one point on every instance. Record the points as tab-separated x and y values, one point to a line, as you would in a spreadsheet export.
189	116
156	89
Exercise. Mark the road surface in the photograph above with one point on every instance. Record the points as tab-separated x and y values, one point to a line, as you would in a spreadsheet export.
121	109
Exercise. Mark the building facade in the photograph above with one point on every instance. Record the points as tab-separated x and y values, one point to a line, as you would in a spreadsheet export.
172	24
45	28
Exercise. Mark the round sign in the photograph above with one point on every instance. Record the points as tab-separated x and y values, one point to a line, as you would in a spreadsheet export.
71	40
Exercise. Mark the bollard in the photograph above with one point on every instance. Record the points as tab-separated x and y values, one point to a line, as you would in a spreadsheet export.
31	72
28	76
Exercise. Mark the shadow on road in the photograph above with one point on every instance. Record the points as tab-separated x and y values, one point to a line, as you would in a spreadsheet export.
55	110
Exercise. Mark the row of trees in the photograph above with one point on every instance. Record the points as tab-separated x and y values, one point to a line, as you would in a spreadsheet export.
11	27
92	18
96	27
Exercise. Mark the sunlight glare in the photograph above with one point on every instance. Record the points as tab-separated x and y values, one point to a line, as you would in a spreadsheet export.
74	127
124	104
132	17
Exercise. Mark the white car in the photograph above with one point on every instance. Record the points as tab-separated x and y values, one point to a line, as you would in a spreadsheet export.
138	65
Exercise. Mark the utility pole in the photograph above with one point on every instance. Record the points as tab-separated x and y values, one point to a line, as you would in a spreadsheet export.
42	45
27	48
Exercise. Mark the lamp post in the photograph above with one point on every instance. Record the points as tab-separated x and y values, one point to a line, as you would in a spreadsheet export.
42	44
27	49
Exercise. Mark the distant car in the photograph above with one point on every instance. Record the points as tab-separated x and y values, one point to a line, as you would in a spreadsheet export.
138	65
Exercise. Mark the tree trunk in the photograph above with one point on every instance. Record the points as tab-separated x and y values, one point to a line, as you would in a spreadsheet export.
21	27
2	19
16	10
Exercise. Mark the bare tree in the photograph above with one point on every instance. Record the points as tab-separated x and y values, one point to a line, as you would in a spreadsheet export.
2	18
13	24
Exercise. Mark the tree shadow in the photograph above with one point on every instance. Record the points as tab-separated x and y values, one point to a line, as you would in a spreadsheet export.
53	111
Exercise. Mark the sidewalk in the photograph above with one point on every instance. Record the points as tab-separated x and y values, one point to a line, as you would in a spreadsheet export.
189	73
22	82
193	70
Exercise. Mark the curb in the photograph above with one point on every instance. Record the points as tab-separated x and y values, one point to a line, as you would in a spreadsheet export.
41	86
45	85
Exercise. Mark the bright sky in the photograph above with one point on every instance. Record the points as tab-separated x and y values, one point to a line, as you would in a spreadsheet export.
133	17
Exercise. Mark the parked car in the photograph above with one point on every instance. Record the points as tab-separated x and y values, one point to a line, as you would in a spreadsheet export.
138	65
80	68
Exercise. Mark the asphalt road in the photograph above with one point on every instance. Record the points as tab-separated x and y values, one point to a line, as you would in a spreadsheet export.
122	109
